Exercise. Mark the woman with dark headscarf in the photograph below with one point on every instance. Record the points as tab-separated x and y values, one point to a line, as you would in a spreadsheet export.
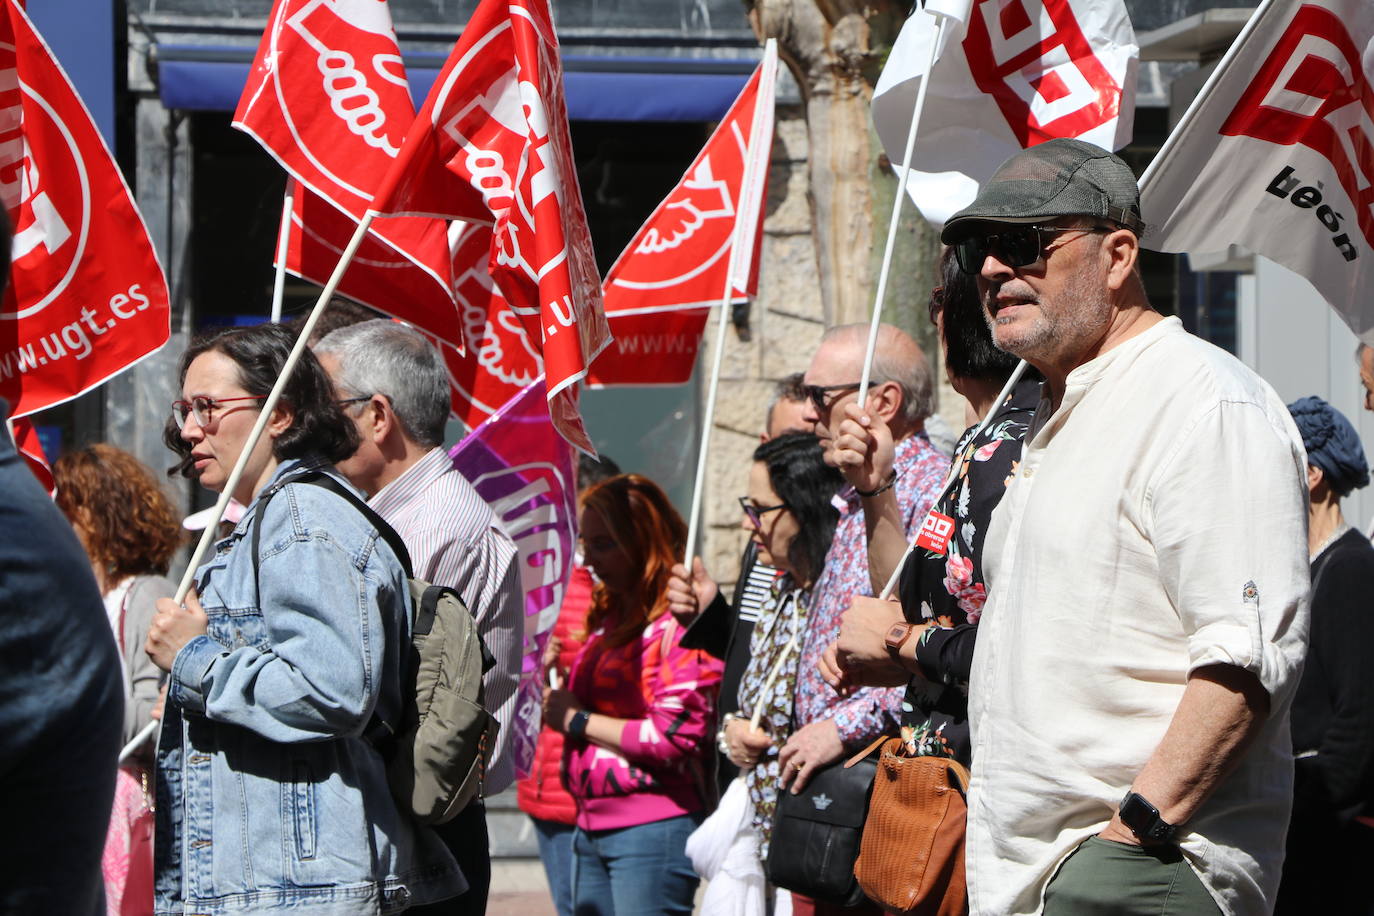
1331	835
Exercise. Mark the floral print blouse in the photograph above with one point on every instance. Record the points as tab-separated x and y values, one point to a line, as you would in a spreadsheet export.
947	589
774	645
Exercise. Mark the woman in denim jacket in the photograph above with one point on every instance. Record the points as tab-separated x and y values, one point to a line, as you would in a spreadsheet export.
268	796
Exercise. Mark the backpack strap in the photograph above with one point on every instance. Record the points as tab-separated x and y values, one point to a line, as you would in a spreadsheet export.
321	479
379	733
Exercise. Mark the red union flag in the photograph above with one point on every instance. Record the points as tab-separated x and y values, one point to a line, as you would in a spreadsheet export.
378	276
1010	74
328	98
705	233
1278	156
86	297
500	363
657	348
29	446
491	145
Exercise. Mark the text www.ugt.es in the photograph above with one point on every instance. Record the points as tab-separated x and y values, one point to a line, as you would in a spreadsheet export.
77	338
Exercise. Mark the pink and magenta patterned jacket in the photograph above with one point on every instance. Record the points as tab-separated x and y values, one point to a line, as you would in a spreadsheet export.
668	695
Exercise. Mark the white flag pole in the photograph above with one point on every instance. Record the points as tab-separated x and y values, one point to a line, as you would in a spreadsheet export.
283	238
211	529
1217	73
727	296
940	20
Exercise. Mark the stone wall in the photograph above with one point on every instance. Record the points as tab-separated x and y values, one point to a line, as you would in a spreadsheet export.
785	327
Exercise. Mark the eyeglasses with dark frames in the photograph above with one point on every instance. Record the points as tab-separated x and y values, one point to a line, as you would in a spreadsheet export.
755	513
1014	246
203	408
349	402
817	393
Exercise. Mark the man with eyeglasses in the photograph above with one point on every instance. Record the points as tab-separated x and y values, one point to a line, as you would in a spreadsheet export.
1147	574
901	393
394	386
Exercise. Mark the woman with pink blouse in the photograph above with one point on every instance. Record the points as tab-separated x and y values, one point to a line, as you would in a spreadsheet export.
635	713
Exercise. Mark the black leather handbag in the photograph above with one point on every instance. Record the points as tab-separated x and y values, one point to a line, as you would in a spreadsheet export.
816	833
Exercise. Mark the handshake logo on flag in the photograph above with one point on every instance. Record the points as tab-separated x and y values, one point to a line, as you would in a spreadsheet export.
1312	90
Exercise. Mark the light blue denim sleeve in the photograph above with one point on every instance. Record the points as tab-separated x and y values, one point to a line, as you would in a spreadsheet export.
319	678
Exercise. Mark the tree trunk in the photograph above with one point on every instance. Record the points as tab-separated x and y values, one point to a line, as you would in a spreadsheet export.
835	50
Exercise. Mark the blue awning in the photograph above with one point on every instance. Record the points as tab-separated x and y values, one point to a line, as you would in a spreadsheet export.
198	78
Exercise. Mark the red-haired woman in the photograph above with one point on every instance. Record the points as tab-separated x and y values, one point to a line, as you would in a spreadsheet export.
130	532
636	713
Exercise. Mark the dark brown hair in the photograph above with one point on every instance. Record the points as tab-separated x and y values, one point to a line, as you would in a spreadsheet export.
126	521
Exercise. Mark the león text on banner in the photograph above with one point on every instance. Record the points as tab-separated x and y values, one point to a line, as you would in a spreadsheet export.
1277	154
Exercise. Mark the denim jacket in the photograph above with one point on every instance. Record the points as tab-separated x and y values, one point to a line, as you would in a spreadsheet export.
268	797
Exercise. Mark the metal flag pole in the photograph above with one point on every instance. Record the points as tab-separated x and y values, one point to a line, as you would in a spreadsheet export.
283	240
940	20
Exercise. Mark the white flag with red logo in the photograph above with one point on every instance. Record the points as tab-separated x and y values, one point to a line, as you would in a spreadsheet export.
87	297
651	348
379	276
491	144
1279	155
500	363
328	98
1010	74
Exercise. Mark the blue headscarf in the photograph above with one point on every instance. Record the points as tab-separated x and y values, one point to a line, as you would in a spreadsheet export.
1332	444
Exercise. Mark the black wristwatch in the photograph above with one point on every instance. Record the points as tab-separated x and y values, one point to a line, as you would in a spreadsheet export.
1144	821
577	725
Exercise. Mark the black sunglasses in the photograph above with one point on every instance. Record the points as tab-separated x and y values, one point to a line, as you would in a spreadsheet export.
1014	246
756	513
816	393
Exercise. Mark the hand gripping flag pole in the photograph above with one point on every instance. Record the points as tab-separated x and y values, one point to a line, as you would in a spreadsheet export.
942	16
763	121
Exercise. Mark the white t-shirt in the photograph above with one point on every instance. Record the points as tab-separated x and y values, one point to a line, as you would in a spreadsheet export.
1157	523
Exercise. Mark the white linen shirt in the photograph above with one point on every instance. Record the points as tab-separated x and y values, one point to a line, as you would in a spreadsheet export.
1157	523
455	540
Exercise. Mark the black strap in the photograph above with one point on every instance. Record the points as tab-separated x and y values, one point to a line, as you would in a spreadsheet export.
321	479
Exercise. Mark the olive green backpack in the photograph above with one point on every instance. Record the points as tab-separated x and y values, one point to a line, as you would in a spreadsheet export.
437	754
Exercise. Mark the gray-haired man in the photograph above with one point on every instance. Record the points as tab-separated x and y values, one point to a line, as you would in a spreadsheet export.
393	384
1147	574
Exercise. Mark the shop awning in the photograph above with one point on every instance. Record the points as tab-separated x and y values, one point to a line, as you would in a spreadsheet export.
199	78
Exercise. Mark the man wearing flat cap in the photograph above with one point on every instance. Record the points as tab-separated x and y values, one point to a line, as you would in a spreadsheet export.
1146	620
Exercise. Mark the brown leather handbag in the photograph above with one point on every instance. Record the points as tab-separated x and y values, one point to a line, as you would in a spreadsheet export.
911	857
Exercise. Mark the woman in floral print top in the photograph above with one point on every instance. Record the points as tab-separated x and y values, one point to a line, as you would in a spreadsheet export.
790	515
946	589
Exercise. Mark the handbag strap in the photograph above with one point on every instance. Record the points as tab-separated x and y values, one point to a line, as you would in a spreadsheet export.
792	643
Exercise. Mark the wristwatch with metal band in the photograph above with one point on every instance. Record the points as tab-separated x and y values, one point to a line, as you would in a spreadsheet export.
1144	821
896	637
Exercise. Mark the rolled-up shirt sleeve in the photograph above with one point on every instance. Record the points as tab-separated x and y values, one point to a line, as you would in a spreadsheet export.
1232	547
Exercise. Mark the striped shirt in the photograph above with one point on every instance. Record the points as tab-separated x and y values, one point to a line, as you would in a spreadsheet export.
756	589
455	540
